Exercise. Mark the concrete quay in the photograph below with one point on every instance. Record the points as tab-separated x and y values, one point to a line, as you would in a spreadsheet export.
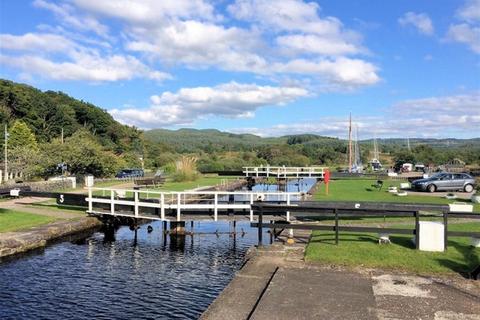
277	283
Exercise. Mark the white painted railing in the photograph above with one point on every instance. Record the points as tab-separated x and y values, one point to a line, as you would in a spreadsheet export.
184	200
284	172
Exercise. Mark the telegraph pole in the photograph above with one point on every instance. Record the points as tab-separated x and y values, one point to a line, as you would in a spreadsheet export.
350	145
6	160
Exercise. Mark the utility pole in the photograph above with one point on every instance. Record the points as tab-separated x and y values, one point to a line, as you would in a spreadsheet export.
62	136
6	160
350	145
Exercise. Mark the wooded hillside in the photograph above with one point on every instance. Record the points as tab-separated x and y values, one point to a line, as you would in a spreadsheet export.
96	143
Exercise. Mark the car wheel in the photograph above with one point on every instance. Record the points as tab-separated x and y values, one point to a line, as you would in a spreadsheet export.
468	188
431	188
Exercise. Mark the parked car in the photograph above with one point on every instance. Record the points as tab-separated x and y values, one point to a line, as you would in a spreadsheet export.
130	173
445	181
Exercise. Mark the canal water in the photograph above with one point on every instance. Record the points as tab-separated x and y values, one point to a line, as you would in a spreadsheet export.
147	276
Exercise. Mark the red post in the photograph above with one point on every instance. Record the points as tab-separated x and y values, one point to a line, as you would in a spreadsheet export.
326	179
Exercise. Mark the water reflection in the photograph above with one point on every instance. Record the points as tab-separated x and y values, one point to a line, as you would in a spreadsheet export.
124	274
154	276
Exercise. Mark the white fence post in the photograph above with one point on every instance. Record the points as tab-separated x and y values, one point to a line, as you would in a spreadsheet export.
215	207
136	202
162	206
290	231
251	211
90	204
178	206
288	203
112	199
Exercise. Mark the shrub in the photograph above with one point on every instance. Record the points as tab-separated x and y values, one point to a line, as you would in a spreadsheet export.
186	169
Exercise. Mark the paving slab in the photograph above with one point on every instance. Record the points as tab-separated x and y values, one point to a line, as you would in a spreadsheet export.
240	296
306	293
414	297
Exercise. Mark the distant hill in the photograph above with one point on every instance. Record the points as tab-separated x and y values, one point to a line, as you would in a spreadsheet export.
190	140
47	113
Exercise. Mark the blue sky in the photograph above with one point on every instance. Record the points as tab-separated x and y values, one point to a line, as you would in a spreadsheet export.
402	68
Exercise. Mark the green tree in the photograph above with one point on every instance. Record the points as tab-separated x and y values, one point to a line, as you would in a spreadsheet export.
21	136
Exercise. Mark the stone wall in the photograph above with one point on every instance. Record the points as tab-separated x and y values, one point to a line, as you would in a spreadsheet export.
42	186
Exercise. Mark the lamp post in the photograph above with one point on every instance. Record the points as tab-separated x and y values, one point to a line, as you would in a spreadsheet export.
6	160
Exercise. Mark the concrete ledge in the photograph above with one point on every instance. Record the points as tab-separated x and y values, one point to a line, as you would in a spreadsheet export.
17	242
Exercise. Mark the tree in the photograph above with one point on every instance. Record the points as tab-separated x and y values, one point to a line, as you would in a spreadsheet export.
83	155
21	136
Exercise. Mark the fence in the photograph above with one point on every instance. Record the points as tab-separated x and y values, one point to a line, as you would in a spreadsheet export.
284	172
178	202
335	210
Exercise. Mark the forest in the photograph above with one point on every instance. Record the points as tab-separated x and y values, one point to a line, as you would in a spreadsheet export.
50	128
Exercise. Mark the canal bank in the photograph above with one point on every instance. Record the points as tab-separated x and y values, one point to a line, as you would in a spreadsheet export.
12	243
277	283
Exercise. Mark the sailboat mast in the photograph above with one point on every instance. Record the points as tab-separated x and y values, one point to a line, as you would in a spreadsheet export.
357	149
350	145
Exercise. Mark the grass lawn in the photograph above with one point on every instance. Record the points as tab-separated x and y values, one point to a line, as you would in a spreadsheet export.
364	250
11	220
51	204
361	190
203	181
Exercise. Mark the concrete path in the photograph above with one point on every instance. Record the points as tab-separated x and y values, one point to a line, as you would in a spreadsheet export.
300	293
276	283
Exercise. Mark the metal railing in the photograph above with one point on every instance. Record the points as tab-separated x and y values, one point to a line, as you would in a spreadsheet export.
180	202
336	210
284	172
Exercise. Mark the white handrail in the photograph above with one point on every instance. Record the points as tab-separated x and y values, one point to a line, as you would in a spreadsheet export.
201	200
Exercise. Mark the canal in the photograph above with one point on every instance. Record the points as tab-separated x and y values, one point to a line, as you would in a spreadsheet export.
148	276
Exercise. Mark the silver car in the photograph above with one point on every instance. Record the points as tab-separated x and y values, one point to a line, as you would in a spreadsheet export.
445	181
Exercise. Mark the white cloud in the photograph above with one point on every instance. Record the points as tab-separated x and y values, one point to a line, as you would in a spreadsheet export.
56	57
464	104
315	44
470	11
68	16
84	67
289	15
344	71
467	32
427	117
150	12
45	42
198	44
274	39
191	33
420	21
233	100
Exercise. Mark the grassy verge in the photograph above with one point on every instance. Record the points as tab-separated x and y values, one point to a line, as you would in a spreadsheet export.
203	181
11	220
363	250
51	204
361	190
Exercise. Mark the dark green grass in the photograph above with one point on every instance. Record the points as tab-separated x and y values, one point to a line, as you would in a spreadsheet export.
363	250
11	220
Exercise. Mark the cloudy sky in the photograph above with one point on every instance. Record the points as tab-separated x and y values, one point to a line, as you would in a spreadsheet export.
269	67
